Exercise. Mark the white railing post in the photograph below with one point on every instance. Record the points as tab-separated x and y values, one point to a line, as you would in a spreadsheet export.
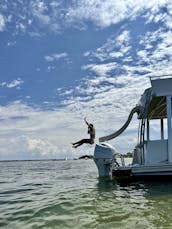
169	129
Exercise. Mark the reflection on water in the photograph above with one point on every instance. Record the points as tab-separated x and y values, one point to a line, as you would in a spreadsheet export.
69	194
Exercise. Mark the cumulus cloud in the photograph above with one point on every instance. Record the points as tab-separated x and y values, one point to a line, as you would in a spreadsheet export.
24	147
36	133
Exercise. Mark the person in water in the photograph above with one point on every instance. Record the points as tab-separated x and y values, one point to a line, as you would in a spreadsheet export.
91	132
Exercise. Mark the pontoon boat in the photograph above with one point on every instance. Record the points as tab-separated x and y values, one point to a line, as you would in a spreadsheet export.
152	159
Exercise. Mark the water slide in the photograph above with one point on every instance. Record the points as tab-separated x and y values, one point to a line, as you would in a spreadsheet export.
118	132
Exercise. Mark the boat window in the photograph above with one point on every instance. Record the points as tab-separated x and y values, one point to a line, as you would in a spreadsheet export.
155	132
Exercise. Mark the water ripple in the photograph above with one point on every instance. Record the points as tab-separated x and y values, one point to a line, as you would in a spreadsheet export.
51	194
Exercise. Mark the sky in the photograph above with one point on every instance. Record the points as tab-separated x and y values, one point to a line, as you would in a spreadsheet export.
61	61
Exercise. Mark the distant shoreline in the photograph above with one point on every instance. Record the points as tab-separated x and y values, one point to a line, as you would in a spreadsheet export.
35	160
128	155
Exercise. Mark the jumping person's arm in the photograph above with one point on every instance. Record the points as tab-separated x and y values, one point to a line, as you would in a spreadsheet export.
86	122
90	126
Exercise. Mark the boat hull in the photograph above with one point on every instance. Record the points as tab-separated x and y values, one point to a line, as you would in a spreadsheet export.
143	173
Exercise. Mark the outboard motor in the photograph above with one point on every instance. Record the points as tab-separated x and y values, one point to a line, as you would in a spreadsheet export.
104	156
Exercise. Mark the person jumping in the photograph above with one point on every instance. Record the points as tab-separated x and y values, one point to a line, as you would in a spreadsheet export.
91	132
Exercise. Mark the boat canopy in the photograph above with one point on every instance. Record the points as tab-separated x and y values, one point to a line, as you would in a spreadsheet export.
153	101
152	106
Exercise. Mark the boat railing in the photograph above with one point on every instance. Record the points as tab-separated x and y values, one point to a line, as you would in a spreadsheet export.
118	160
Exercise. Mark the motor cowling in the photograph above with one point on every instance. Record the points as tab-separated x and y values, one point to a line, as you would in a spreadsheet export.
104	155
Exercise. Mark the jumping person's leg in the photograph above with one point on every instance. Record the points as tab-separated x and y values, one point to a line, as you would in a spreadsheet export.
76	144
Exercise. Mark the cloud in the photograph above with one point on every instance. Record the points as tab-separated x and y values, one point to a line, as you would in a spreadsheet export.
2	23
156	48
11	43
40	11
56	57
52	59
40	134
163	16
50	68
21	27
13	84
114	48
48	15
100	69
102	14
24	147
39	17
107	13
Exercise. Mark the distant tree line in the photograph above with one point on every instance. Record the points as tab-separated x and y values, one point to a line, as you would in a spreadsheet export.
128	154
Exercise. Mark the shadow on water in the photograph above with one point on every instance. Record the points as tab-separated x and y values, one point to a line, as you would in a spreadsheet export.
152	188
105	183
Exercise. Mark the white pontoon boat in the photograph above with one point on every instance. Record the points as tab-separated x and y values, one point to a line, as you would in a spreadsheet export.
152	159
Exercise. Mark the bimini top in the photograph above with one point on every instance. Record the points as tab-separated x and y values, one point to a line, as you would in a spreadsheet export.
153	101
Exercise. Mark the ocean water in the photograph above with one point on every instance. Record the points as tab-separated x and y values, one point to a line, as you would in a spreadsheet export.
69	194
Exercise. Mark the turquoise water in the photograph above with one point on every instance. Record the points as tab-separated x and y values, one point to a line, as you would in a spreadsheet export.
68	194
